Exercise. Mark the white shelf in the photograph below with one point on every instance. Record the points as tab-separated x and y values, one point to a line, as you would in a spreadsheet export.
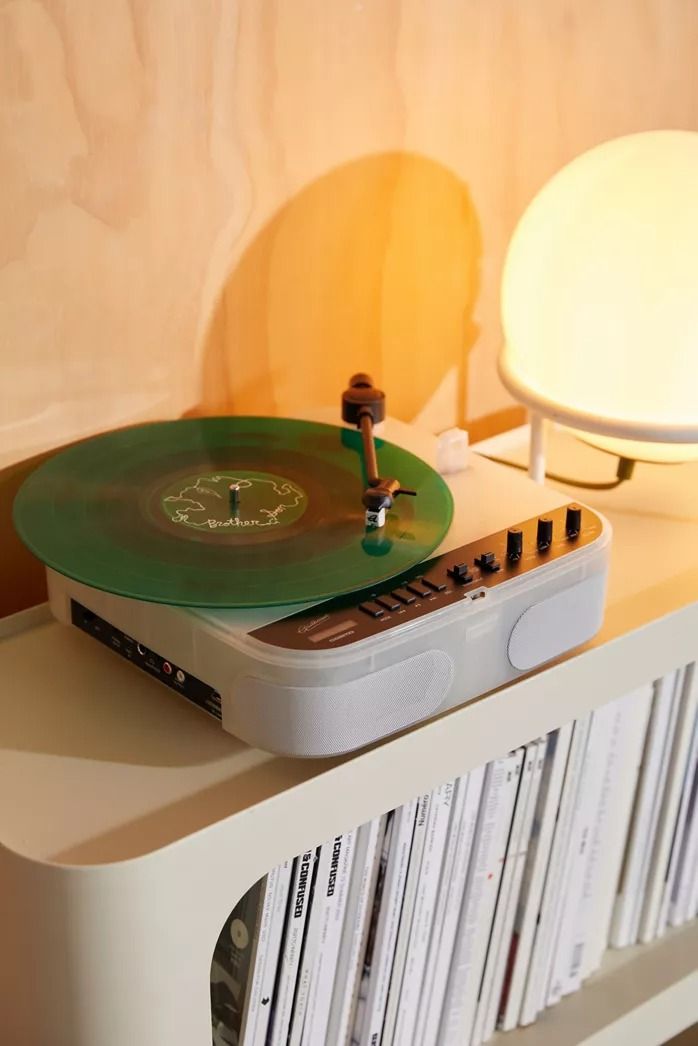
101	767
642	996
120	767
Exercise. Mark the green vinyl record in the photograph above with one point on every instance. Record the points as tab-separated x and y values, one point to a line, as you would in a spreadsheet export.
147	512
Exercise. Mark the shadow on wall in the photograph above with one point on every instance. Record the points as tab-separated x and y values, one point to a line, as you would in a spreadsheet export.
374	266
22	578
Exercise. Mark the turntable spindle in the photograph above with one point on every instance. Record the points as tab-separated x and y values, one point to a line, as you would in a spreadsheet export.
234	492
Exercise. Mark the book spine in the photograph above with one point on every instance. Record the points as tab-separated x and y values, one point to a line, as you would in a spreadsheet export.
528	911
488	923
271	928
680	834
676	686
370	953
323	973
478	904
421	829
628	899
456	814
422	920
317	907
388	923
546	932
301	883
530	785
628	732
252	1004
683	906
456	890
692	909
355	930
524	773
578	910
690	869
676	772
280	907
568	879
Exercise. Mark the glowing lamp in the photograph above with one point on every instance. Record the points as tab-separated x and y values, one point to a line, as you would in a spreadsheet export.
600	300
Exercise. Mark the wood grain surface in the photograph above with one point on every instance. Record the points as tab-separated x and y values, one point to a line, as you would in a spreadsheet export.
231	204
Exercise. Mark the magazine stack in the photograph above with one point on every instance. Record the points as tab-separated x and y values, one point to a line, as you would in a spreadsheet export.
475	906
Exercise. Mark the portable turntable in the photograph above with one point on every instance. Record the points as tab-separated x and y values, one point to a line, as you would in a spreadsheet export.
266	570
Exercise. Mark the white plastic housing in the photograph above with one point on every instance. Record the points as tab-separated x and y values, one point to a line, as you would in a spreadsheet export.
326	702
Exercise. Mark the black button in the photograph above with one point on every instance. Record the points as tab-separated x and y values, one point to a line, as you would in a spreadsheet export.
403	596
436	586
389	602
514	543
487	562
371	609
418	590
544	535
460	572
573	521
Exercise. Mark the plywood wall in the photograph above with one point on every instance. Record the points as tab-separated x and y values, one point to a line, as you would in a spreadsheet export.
231	204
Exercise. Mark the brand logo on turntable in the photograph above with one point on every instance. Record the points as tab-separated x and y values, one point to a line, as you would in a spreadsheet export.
310	625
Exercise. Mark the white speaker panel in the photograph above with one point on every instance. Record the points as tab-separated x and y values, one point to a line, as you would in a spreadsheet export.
327	720
557	624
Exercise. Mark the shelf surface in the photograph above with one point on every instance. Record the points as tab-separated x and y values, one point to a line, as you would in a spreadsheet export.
641	996
99	763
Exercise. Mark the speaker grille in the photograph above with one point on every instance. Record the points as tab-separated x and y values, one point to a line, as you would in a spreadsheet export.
328	720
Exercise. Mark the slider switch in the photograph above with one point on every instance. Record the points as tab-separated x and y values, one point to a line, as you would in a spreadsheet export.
487	562
573	521
514	544
460	572
544	537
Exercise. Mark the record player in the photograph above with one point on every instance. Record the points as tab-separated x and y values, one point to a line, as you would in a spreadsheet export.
268	571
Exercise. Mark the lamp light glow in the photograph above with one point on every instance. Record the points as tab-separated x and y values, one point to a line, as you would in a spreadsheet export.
600	298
